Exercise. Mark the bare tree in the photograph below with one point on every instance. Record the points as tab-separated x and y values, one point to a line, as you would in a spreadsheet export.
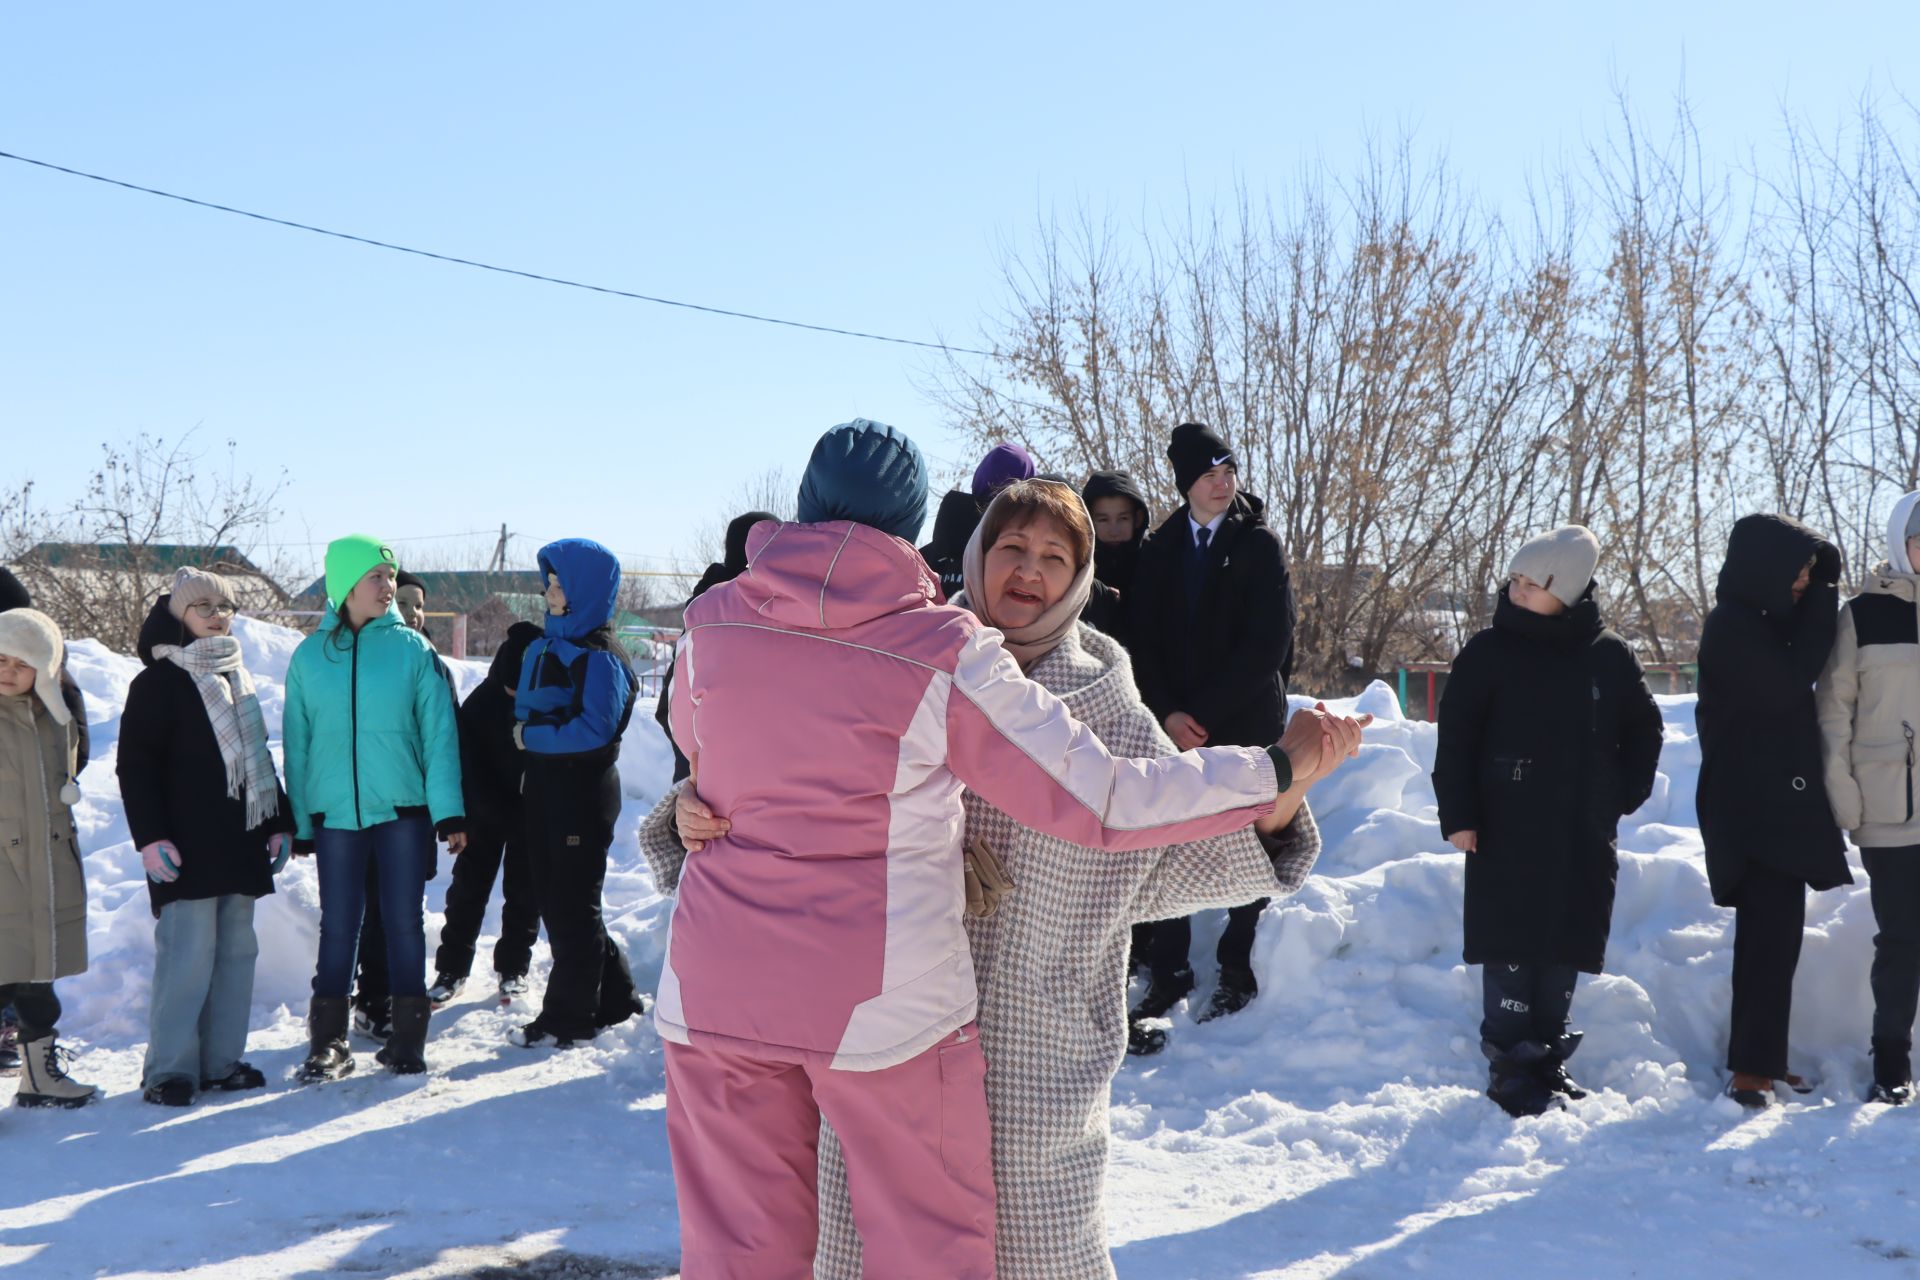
97	565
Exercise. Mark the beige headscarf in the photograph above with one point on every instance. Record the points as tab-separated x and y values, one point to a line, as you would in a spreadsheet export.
1036	640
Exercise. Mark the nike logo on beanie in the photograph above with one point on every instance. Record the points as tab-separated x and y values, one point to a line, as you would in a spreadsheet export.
1222	458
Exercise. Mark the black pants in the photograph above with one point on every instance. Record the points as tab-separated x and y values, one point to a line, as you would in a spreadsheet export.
1522	1002
1769	921
1173	939
570	815
1895	886
474	872
36	1007
373	988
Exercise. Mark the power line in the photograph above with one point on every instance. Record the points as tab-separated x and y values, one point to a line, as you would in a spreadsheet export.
488	266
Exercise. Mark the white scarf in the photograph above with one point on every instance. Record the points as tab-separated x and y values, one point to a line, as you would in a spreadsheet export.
233	709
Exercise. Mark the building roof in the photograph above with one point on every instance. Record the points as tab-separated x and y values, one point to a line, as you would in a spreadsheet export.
459	591
155	557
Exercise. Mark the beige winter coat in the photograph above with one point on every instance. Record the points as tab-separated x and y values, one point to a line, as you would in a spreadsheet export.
1051	967
43	889
1869	701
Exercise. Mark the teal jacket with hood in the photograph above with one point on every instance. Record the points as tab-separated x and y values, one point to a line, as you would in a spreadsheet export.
369	731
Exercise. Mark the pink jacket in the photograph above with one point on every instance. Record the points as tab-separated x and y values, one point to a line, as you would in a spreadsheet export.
834	712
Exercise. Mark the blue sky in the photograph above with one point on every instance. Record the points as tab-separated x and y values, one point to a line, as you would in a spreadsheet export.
860	166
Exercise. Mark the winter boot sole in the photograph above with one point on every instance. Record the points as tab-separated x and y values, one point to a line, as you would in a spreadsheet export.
1894	1096
44	1100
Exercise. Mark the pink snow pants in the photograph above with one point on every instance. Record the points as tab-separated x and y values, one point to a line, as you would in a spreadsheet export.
744	1132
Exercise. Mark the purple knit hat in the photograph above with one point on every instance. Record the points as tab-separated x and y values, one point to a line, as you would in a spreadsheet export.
1000	468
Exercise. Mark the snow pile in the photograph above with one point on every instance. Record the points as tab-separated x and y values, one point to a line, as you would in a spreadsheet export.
1334	1127
108	1004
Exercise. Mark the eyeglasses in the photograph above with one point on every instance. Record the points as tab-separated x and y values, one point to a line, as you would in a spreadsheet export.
206	610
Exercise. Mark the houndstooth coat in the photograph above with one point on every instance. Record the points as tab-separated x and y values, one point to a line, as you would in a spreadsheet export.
1052	970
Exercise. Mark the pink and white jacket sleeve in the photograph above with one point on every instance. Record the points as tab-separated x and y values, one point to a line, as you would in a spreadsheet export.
1020	749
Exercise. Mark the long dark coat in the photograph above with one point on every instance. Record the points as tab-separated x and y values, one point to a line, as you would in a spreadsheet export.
174	783
1225	657
1763	794
1548	737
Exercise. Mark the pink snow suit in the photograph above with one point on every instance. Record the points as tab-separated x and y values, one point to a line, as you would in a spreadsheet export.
834	712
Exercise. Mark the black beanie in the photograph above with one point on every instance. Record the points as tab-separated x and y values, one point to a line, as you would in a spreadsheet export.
405	579
1195	450
12	594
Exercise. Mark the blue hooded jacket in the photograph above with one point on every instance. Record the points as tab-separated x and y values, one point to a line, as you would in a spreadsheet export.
576	689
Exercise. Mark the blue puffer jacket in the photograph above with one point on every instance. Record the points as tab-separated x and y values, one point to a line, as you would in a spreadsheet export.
576	689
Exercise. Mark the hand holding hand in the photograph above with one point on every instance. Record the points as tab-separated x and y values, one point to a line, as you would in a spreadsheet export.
697	824
279	847
162	861
457	843
1187	733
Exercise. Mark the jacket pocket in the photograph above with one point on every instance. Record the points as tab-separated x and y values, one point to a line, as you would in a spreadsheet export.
1884	771
13	849
966	1134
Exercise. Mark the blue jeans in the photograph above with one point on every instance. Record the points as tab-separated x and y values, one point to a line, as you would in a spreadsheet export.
203	956
400	853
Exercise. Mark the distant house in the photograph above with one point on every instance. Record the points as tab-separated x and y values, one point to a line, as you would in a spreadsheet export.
140	572
475	595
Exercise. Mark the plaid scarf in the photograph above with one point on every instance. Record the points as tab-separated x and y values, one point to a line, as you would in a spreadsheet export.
233	708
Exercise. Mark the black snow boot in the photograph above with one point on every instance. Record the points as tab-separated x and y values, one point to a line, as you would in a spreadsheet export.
1236	991
405	1050
1892	1072
1163	992
1553	1067
1513	1078
328	1057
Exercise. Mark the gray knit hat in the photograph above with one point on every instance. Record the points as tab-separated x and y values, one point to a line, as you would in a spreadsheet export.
197	586
1561	560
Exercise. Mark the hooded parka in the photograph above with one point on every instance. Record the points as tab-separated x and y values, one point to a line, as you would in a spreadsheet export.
1762	795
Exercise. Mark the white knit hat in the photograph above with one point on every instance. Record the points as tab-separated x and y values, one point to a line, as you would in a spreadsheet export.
196	586
1561	560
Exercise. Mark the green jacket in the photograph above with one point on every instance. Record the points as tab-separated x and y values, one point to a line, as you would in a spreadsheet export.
369	729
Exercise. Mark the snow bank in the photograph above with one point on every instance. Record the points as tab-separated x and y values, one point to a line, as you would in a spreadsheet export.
1334	1127
107	1005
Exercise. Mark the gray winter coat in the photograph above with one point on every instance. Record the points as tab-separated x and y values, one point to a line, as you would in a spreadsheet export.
43	890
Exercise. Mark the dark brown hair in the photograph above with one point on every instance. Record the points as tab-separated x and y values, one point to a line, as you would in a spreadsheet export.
1025	501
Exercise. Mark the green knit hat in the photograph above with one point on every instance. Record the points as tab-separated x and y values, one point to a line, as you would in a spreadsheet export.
348	560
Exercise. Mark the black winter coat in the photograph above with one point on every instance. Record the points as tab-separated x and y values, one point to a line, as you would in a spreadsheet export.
491	764
1548	737
174	783
1115	564
1226	660
1763	793
953	527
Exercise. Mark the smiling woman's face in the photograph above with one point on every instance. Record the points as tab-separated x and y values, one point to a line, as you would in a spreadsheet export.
1029	568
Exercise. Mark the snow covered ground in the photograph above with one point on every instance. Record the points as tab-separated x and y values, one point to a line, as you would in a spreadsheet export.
1335	1128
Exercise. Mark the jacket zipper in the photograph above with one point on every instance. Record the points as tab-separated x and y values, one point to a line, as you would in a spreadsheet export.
353	748
53	906
1907	728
